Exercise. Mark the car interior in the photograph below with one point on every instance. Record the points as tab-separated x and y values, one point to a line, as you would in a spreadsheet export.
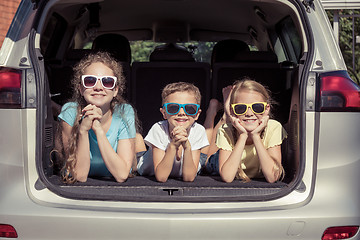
259	39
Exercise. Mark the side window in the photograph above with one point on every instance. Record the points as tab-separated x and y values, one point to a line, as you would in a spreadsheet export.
52	35
279	50
289	39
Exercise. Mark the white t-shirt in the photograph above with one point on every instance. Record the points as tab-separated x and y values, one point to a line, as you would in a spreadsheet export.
159	137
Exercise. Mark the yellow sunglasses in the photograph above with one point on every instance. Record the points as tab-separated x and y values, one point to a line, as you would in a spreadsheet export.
256	107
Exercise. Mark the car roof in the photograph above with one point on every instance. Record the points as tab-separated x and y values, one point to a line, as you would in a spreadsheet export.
181	20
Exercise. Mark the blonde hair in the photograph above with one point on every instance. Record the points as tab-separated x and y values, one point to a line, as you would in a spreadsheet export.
181	87
251	85
69	152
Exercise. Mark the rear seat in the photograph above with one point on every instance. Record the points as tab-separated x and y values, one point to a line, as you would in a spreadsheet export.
261	66
226	50
168	64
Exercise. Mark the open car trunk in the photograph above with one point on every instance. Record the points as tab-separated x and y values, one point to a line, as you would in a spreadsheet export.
204	188
284	81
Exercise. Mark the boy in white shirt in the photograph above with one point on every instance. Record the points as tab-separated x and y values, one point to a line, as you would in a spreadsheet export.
175	143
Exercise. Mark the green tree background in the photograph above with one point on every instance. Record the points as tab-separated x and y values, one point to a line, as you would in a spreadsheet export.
345	40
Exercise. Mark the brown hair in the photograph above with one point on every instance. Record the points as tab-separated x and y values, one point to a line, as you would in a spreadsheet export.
69	151
180	87
251	85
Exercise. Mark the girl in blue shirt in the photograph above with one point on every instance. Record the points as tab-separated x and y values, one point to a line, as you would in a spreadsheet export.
98	127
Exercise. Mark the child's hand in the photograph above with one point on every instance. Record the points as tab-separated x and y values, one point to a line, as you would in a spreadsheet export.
91	115
263	123
237	124
179	136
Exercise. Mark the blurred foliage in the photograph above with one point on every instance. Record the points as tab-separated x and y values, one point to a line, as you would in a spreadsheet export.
346	40
141	50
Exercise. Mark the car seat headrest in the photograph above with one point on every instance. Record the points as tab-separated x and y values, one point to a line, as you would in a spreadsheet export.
226	50
117	45
171	53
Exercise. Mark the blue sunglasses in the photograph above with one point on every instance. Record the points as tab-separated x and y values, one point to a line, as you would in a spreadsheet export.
174	108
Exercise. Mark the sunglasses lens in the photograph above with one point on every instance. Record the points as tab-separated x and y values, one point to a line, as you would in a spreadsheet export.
108	82
89	81
191	109
240	109
258	107
172	108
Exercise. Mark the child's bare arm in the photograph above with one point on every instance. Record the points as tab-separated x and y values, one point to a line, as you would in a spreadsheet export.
191	162
82	155
190	158
65	134
82	166
163	162
229	161
270	159
118	163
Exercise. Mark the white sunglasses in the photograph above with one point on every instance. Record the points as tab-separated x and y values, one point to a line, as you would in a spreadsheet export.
89	81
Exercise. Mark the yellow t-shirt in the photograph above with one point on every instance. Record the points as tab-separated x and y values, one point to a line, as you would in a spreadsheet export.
273	135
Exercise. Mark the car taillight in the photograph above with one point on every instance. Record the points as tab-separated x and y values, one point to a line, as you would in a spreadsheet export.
338	93
345	232
10	88
7	231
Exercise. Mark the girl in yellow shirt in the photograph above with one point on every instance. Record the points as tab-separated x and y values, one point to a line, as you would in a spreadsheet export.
250	143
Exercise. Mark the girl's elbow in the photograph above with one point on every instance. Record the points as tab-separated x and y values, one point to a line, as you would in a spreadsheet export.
274	176
271	179
81	178
226	178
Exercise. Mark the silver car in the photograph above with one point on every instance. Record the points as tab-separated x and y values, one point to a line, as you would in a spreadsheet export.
293	52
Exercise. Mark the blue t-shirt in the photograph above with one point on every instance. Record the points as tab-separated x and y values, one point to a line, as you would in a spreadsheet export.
122	127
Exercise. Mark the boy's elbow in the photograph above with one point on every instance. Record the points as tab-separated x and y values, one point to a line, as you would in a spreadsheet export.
120	180
121	177
160	175
188	177
161	178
